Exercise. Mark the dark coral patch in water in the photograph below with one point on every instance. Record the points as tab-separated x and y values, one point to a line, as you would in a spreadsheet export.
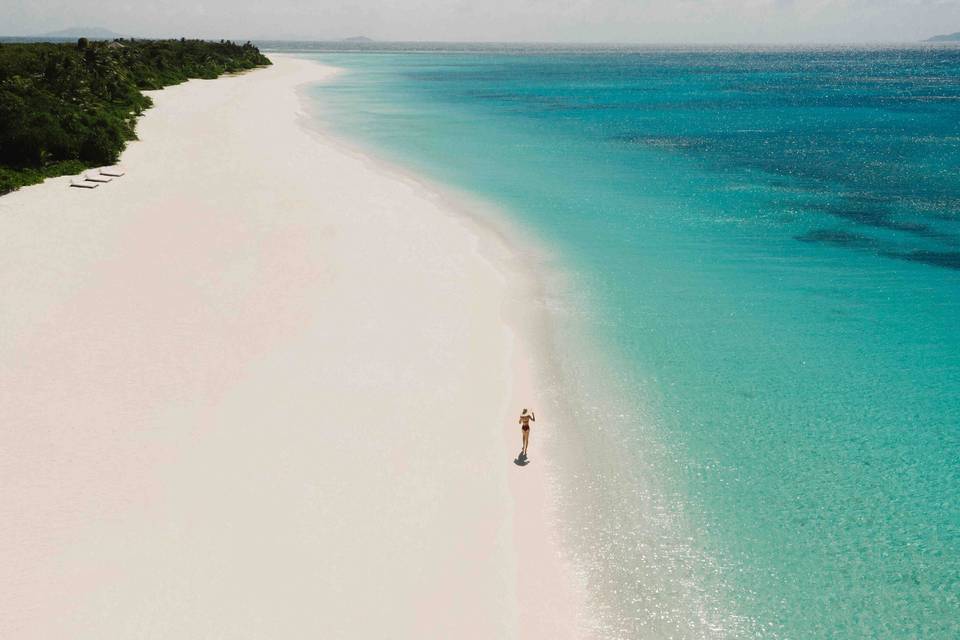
838	238
946	259
857	241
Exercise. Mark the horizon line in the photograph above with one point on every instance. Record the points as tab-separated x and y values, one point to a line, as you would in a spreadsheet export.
583	43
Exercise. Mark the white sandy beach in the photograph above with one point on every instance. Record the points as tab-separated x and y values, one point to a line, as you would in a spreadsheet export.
263	386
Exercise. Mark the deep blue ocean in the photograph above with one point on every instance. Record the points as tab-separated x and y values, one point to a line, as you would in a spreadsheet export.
758	326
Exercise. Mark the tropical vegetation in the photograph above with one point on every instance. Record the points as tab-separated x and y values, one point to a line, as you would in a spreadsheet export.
65	107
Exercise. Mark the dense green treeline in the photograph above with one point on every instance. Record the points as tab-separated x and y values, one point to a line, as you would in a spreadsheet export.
64	107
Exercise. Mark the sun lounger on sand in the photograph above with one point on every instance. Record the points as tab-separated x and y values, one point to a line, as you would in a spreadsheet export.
113	172
83	184
90	176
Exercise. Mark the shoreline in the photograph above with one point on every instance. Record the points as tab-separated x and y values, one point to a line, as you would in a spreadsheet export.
174	314
538	541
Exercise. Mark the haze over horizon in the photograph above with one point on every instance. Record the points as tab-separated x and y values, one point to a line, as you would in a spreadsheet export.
637	21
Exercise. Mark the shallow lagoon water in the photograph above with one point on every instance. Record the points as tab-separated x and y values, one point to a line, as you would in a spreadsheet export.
760	352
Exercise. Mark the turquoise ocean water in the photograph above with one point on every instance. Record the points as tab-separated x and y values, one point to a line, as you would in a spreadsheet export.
759	345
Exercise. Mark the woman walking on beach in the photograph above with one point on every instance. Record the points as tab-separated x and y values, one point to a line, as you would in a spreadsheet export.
524	421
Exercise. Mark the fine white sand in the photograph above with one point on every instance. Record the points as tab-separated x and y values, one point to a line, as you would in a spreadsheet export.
263	386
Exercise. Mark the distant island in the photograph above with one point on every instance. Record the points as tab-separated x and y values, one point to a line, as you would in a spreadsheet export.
949	37
92	33
357	39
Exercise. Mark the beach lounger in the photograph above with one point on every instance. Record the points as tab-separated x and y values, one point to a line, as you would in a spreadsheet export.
90	176
113	172
83	184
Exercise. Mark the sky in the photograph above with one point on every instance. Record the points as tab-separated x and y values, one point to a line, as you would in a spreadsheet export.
633	21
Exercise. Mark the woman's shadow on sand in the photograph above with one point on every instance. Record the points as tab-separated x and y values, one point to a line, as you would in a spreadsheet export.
521	460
